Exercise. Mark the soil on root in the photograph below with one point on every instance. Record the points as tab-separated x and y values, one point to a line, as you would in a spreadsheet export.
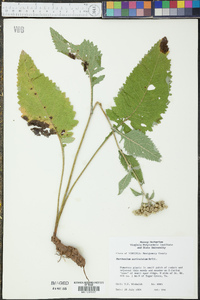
69	252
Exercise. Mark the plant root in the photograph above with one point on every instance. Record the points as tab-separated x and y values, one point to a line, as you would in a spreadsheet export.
69	252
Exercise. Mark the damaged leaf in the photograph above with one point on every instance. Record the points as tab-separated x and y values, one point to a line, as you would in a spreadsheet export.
45	108
144	96
87	52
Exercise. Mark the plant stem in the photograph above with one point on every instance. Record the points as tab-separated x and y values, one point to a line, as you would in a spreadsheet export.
91	95
75	159
67	193
62	174
128	165
114	135
114	129
67	196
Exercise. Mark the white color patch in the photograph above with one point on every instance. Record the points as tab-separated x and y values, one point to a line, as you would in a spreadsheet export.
151	87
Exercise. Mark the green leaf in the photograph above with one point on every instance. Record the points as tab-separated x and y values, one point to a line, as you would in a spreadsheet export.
42	104
144	96
152	196
87	52
68	139
124	182
138	144
135	166
136	193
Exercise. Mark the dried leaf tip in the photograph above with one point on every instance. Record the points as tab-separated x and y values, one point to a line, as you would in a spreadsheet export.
163	45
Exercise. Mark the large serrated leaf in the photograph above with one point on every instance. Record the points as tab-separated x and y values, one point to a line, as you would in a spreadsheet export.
138	144
144	96
135	166
87	52
124	182
42	104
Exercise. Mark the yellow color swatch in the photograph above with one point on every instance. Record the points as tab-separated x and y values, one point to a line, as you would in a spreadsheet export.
180	4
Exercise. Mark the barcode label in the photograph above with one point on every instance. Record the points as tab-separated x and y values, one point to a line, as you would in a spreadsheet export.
88	287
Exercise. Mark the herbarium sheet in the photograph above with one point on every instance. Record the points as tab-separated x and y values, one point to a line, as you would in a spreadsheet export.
100	168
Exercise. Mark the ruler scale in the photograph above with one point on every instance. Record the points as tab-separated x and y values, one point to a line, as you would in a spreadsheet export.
51	10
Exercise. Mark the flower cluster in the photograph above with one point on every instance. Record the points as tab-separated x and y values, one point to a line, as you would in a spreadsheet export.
149	208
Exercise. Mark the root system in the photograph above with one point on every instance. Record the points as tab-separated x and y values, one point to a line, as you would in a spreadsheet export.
69	252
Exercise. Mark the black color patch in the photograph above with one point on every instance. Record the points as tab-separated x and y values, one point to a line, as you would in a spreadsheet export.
41	128
25	118
71	55
39	131
38	123
85	65
36	131
163	45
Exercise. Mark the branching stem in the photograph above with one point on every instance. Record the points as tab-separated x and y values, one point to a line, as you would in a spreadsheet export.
114	135
79	176
68	191
74	162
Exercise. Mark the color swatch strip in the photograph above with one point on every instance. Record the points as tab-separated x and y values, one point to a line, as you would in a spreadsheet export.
130	9
177	8
157	9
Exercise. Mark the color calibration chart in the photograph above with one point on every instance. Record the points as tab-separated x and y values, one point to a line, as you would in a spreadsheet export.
151	9
177	8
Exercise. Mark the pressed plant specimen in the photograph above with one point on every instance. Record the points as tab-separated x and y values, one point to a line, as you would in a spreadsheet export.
140	102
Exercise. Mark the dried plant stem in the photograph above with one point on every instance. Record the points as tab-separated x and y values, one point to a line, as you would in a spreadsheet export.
69	251
71	173
74	162
68	191
114	135
62	174
75	182
115	129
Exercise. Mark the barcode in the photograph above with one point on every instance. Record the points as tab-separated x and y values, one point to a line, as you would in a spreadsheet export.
88	288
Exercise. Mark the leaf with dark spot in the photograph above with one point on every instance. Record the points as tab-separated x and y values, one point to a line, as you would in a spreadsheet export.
71	55
48	113
163	45
137	103
87	52
38	123
25	118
